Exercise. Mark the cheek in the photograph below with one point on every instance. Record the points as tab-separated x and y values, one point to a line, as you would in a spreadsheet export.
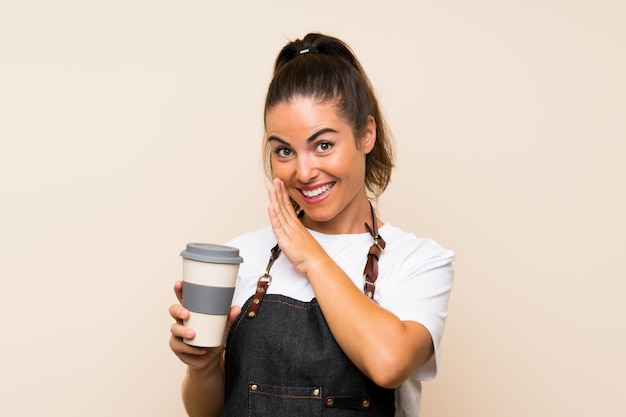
354	160
357	167
280	170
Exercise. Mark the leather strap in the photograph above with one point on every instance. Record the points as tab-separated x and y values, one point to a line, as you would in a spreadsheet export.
370	272
355	403
261	289
264	281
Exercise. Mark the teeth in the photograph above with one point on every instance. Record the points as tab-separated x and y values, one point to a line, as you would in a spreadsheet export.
317	191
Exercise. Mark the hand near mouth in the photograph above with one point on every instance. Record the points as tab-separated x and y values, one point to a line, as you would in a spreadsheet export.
294	240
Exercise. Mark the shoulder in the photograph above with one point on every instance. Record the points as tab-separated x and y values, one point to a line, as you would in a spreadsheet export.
254	246
407	247
264	234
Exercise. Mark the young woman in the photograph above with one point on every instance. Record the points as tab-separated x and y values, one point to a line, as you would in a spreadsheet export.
346	317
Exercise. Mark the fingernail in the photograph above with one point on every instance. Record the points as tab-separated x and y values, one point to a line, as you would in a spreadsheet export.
189	334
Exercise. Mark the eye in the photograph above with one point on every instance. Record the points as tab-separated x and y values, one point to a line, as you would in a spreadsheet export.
323	147
283	152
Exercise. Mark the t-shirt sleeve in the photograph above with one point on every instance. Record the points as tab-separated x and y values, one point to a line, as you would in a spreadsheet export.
423	279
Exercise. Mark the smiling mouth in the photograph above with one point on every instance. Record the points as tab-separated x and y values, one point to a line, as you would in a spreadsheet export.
316	192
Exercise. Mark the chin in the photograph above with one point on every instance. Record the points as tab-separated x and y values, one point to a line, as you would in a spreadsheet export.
318	215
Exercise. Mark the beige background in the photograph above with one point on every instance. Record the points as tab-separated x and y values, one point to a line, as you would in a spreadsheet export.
129	128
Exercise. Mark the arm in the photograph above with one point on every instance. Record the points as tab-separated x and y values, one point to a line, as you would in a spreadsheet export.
203	392
203	385
382	346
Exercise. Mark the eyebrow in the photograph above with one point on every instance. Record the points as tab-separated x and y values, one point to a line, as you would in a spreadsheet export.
309	140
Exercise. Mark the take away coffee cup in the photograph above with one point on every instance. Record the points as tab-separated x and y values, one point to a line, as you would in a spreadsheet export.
209	275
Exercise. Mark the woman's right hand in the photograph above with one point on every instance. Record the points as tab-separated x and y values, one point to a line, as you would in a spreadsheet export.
205	371
198	358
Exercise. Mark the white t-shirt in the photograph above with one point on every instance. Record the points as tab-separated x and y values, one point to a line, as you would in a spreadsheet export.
414	280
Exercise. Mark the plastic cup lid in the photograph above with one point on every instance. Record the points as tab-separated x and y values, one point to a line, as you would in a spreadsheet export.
210	252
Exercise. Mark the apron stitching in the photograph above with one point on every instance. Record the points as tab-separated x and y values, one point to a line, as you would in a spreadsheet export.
312	305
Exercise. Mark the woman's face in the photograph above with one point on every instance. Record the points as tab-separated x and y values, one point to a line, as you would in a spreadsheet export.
314	152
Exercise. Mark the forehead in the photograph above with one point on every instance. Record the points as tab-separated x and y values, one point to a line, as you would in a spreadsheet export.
303	112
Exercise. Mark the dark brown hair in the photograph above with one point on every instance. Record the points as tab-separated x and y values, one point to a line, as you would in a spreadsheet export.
324	68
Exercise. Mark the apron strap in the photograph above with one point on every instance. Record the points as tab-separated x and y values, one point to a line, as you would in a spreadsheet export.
370	273
264	281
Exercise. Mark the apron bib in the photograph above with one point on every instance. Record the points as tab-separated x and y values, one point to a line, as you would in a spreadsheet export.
286	363
281	359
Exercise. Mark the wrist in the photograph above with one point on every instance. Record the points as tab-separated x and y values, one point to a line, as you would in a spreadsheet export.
320	267
211	365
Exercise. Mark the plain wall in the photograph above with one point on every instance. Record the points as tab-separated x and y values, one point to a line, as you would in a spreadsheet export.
129	128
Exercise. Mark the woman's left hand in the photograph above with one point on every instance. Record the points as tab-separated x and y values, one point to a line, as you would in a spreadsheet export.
294	240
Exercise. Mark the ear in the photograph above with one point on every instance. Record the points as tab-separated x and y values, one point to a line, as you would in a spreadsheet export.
369	139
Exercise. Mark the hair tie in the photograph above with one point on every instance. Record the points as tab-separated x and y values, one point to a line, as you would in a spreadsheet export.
308	49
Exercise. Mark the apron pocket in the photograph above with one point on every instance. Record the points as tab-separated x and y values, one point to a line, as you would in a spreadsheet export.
271	400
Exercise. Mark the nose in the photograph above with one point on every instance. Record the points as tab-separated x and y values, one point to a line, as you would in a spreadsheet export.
307	169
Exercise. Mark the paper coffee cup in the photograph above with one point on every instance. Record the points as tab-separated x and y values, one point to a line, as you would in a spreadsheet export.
209	275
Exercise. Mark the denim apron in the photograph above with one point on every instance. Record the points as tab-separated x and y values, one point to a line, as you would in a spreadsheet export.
281	360
286	363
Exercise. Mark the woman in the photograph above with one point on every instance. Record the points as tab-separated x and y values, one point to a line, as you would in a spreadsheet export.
348	314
